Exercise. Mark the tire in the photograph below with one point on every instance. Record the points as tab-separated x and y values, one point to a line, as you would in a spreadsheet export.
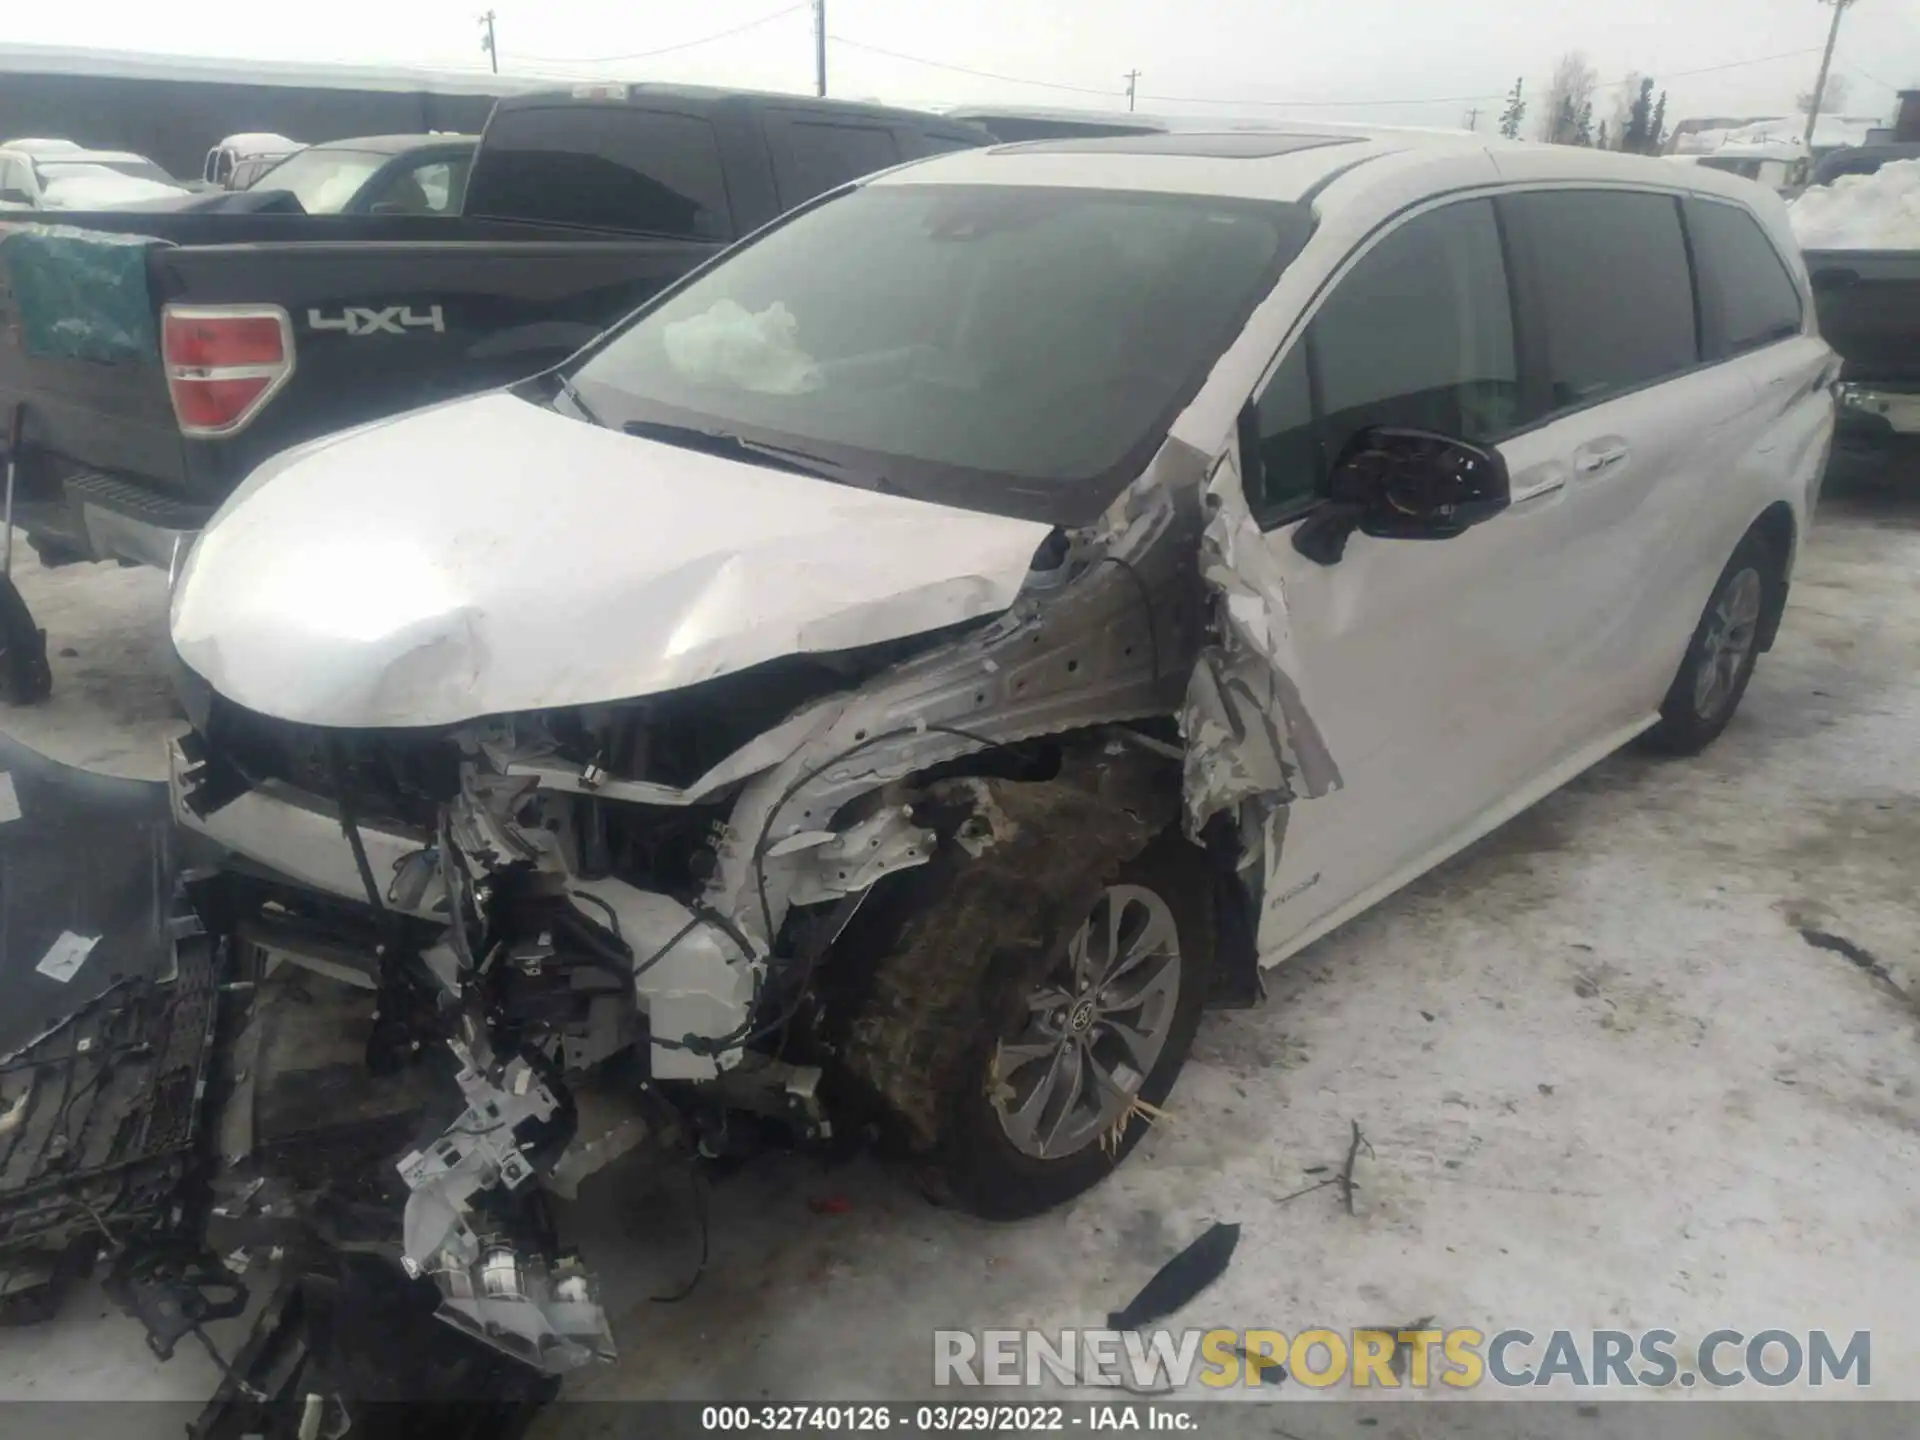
978	1165
1720	657
25	678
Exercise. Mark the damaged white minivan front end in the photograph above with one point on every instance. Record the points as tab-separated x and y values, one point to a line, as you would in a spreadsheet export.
652	774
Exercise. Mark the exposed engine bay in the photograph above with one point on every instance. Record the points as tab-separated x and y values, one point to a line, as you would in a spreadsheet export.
782	899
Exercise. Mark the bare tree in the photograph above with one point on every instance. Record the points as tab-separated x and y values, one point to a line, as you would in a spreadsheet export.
1832	102
1570	89
1623	98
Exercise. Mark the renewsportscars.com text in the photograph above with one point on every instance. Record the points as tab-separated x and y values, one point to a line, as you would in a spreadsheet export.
1460	1359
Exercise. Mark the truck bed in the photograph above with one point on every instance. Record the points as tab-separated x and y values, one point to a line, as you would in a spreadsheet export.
1868	303
387	313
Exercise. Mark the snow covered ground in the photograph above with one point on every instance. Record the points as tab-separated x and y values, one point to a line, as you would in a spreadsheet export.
1880	211
1605	1079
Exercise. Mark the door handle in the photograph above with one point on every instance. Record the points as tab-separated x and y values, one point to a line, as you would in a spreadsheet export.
1600	457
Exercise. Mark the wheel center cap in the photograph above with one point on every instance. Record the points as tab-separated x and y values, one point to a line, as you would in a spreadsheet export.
1082	1016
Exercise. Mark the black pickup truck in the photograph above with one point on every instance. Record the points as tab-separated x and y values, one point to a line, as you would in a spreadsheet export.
149	361
1868	303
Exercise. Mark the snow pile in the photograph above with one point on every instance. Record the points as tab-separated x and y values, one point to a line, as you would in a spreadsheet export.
1880	211
95	187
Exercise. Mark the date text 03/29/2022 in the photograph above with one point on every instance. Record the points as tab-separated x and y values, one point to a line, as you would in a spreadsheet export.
938	1419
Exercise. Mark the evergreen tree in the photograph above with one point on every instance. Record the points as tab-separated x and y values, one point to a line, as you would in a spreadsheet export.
1515	112
1600	143
1565	122
1583	124
1657	127
1639	120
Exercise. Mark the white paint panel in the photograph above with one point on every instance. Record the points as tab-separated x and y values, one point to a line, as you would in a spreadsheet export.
490	556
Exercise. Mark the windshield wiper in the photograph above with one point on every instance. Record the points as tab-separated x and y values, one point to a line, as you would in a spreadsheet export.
567	388
735	447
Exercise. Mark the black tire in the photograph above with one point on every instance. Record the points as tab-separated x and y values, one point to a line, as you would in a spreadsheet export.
1697	707
25	677
976	1166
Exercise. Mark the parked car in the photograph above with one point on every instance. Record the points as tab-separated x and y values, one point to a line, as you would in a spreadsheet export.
1861	160
1860	249
811	694
237	161
376	175
69	178
229	337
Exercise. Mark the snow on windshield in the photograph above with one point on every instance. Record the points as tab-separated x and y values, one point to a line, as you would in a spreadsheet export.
1880	211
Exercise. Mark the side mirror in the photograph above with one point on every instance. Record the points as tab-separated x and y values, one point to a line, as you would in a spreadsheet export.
1398	484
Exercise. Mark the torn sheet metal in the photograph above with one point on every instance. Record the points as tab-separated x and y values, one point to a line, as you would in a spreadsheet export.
637	568
81	294
1248	730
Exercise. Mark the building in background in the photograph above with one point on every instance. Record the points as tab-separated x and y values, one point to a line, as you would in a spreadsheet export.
176	109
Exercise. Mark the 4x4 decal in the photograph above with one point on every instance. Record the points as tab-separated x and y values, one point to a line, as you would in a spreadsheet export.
391	320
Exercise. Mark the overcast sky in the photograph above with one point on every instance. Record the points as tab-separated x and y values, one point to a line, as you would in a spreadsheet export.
1392	61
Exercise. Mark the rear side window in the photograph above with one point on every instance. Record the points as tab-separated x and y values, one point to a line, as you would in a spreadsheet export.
605	167
1615	290
819	155
1419	334
1753	297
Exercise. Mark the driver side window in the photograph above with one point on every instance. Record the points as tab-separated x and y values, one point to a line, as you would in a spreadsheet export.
1418	334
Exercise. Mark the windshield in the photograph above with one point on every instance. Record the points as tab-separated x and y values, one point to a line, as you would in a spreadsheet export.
323	181
1015	349
52	170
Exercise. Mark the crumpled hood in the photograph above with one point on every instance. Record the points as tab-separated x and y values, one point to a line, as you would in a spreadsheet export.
490	555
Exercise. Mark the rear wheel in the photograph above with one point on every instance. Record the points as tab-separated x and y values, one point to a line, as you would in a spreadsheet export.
1720	657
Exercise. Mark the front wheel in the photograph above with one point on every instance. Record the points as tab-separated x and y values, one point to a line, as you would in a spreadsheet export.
1073	1059
1720	658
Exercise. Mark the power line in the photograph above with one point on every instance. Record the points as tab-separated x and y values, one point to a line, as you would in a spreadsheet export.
1287	104
666	49
1854	66
1467	99
968	70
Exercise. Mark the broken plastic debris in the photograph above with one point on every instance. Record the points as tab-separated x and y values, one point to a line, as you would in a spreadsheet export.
1180	1279
9	800
66	955
829	1204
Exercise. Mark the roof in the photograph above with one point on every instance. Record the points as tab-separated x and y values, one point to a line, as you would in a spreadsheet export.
77	156
392	144
1263	167
1229	163
610	91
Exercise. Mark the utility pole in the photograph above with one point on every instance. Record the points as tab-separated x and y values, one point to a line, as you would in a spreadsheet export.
486	42
1826	60
1132	78
820	47
1473	118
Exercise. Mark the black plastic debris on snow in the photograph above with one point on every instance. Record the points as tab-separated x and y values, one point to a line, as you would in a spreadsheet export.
88	855
1180	1279
103	1057
1857	955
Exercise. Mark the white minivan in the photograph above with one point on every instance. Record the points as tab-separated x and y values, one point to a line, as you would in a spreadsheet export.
911	666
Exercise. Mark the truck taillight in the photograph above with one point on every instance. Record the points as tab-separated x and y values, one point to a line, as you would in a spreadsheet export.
224	362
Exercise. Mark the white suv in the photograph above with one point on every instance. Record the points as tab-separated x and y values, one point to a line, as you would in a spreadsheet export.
974	621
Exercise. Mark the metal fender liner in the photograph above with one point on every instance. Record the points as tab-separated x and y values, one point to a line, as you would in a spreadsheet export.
1251	740
1252	747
